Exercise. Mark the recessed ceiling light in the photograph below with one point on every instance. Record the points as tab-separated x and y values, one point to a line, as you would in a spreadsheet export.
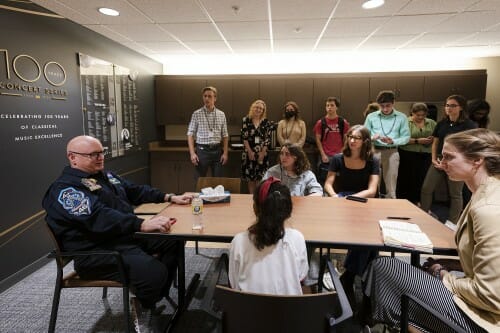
370	4
109	11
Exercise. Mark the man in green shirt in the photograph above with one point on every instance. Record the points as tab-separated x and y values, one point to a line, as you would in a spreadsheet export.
389	129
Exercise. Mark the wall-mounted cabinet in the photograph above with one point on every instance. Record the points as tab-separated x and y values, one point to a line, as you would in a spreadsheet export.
178	96
353	98
406	88
273	92
245	91
437	88
172	172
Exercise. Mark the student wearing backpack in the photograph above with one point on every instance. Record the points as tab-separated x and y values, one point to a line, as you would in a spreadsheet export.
329	131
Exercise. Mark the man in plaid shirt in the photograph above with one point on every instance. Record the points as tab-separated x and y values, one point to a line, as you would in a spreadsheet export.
209	126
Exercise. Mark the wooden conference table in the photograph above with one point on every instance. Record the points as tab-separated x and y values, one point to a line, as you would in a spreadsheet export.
324	222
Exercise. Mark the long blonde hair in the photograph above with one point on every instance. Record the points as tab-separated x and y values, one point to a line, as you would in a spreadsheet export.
250	111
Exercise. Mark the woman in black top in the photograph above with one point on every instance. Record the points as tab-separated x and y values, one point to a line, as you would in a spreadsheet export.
454	121
355	171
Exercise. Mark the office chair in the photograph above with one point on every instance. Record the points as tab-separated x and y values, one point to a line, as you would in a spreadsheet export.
72	280
410	304
233	185
250	312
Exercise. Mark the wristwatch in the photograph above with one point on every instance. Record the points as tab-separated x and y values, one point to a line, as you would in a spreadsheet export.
169	197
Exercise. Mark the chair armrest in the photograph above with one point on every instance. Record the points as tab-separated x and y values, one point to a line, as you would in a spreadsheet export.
345	306
405	314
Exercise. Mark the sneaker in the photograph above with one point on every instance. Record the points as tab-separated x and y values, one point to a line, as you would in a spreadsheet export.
143	317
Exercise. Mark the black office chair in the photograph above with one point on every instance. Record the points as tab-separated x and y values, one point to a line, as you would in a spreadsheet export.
410	305
72	280
250	312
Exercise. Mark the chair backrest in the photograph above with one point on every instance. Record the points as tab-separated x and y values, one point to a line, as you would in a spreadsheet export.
232	185
61	261
249	312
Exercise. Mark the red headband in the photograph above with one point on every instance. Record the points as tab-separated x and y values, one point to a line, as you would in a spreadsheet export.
264	188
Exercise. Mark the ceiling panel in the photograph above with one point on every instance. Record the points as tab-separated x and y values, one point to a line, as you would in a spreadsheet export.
159	28
168	11
222	10
245	30
400	25
297	29
141	32
468	21
416	7
193	31
353	27
436	40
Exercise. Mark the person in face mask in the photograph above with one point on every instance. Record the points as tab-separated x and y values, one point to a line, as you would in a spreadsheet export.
291	129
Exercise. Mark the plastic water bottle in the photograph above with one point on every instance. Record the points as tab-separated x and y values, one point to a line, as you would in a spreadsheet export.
197	210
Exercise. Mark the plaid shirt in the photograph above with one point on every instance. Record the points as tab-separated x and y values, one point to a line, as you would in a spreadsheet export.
208	127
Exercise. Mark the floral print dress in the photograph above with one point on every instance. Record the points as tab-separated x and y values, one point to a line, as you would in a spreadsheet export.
257	138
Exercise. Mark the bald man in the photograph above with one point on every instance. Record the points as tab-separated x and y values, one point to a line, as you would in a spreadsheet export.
89	208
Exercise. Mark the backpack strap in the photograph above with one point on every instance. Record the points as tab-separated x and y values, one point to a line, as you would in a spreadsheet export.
340	124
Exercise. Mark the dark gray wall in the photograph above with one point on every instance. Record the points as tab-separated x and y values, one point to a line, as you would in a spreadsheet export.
27	168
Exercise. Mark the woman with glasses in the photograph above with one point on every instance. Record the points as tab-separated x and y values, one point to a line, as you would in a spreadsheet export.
415	156
354	172
455	120
470	301
294	171
291	129
256	137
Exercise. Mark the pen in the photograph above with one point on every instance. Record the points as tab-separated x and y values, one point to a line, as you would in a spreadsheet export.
398	217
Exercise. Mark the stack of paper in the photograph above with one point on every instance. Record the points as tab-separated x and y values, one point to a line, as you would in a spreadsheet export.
405	235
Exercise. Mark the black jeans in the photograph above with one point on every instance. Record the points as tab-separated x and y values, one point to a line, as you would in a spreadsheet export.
208	158
150	276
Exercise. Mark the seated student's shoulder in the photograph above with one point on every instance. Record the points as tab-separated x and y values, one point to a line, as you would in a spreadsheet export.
294	234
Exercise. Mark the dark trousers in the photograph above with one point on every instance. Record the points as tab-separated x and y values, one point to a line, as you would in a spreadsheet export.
149	276
411	174
208	159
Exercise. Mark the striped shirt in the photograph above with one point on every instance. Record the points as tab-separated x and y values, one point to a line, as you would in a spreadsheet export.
208	127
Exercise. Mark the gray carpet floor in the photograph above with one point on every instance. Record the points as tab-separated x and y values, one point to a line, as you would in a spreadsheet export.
26	306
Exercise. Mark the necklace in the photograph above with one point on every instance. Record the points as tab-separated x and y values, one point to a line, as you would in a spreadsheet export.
211	128
382	126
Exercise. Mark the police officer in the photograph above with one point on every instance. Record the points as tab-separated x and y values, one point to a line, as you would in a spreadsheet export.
89	208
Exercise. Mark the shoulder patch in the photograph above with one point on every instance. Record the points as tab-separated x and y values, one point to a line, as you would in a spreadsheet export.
74	202
91	184
112	179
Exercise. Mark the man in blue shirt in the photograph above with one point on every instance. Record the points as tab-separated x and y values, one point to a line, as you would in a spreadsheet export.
389	129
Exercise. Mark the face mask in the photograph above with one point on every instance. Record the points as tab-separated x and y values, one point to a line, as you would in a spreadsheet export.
290	114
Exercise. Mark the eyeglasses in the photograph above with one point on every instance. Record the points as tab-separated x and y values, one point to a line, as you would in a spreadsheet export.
94	155
451	105
354	137
290	110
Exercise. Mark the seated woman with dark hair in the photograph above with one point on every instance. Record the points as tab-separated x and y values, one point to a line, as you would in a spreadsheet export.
294	171
269	258
355	171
